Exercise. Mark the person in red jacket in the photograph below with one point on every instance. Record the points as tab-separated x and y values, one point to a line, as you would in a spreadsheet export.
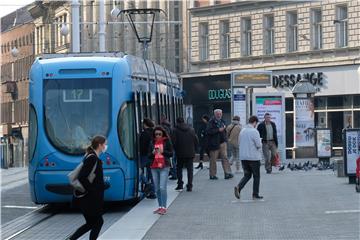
160	152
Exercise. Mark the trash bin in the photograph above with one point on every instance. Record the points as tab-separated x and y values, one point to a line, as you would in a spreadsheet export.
340	167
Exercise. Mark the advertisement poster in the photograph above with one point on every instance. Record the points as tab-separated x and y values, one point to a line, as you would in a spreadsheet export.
352	150
273	104
239	103
323	143
304	121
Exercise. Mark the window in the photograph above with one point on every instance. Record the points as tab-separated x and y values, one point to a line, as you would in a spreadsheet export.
292	32
246	36
126	129
67	104
224	39
269	34
316	29
32	131
341	26
204	41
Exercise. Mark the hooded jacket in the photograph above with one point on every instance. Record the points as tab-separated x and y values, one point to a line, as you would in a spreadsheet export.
184	141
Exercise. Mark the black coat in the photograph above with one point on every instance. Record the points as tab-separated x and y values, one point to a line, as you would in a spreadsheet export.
262	130
168	152
184	141
92	202
145	139
214	136
202	135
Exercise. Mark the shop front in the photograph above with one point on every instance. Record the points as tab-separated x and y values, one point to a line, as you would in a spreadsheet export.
336	103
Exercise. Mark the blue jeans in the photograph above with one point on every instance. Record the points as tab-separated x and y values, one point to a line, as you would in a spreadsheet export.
160	178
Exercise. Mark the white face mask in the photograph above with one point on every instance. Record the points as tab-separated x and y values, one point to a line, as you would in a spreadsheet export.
105	149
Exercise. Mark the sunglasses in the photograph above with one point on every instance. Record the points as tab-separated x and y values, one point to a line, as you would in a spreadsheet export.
158	134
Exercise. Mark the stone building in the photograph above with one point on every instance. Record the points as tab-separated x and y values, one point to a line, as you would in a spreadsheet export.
320	39
17	55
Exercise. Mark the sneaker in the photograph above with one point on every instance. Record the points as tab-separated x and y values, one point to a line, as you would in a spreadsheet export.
257	197
162	211
213	178
268	171
151	196
229	175
173	178
157	210
188	188
237	192
179	188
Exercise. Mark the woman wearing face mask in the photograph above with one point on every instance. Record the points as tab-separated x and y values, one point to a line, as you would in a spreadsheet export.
91	204
160	154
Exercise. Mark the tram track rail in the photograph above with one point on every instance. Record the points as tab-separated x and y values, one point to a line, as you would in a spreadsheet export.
24	223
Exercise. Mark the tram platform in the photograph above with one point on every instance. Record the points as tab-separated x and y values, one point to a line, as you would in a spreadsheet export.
297	205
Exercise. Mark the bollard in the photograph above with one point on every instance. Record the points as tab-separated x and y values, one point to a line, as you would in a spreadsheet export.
340	167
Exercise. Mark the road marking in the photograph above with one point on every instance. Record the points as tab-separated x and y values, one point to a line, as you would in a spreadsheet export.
247	201
342	211
20	207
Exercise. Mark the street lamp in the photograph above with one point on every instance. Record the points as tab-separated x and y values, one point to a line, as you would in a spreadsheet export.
144	37
64	30
304	123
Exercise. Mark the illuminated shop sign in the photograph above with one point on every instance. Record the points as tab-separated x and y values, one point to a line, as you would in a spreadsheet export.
219	94
289	80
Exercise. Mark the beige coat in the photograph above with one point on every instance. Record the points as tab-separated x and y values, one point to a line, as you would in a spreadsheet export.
232	133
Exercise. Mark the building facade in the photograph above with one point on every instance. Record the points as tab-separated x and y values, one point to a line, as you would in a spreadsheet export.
317	40
164	49
17	55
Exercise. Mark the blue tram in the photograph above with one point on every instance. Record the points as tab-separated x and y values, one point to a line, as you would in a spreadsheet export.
74	97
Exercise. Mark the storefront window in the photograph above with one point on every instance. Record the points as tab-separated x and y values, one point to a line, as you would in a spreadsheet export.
357	101
289	130
320	119
320	103
356	119
336	123
335	102
289	104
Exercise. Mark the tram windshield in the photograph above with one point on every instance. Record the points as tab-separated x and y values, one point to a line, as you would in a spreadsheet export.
75	110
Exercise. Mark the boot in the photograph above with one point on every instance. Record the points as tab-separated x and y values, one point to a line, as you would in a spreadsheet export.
199	166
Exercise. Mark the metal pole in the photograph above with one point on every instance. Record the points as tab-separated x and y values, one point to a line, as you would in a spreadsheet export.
75	26
145	48
101	26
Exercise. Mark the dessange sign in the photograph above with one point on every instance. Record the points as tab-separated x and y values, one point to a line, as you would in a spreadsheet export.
289	80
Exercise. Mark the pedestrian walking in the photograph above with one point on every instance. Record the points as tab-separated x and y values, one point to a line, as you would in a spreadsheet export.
268	134
91	202
250	156
217	145
233	131
160	154
145	140
185	142
202	141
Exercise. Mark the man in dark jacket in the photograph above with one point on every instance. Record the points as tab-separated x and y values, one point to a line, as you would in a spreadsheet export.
268	135
216	135
145	140
185	142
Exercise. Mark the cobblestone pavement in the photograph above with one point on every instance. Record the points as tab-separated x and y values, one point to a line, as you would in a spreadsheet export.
297	205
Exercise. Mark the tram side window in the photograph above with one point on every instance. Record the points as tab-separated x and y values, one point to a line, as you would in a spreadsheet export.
126	129
33	129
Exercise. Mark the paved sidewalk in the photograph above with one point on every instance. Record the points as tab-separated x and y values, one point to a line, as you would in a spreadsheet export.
13	177
297	205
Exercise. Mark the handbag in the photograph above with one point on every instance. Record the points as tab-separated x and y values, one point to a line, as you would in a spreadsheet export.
74	174
276	160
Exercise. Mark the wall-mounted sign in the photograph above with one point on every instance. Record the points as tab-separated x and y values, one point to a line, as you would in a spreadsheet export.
251	79
289	80
219	94
323	143
239	104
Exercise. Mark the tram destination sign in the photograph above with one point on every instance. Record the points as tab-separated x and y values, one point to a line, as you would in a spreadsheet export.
252	78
